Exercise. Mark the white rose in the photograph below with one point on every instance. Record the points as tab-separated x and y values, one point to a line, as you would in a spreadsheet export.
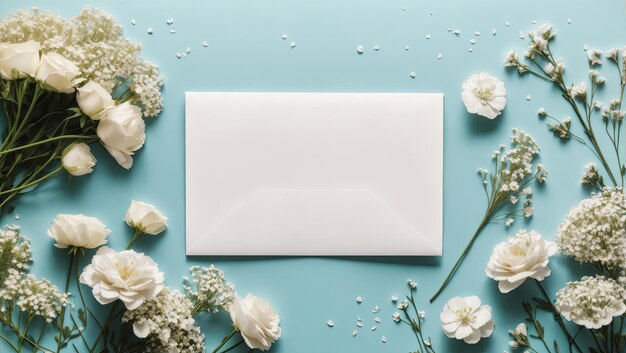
484	95
93	99
77	230
145	218
465	319
256	320
58	72
23	57
128	276
524	255
122	132
78	160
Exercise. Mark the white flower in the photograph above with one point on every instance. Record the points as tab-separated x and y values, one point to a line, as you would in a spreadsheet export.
58	72
579	90
77	230
591	302
22	57
520	336
593	231
123	132
465	319
256	320
591	174
545	31
524	255
36	297
484	95
93	99
511	59
128	276
78	160
208	289
145	218
594	57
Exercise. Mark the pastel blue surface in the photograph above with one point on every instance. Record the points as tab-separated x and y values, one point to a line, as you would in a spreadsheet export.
246	53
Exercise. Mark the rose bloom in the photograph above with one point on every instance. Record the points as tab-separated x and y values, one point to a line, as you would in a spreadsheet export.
58	72
123	132
145	218
78	160
93	99
128	276
77	230
256	320
524	255
22	57
465	319
484	95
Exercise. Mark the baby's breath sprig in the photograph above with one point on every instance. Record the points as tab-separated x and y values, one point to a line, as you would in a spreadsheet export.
508	188
414	318
581	97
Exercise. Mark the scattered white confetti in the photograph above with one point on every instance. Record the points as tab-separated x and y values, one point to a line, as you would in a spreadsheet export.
377	47
431	12
439	56
470	50
133	22
17	216
534	21
188	50
428	36
376	309
383	339
150	30
412	74
407	48
354	333
569	20
179	55
377	320
292	45
360	49
521	35
285	36
585	47
205	44
359	299
457	32
359	324
394	299
507	23
528	97
358	318
330	323
493	31
169	21
184	55
173	31
403	8
472	41
373	328
477	34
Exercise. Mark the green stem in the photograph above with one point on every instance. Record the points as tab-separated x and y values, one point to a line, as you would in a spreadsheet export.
225	340
232	347
52	139
136	236
32	183
558	318
482	224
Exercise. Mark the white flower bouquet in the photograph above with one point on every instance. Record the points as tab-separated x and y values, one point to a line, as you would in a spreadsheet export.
66	84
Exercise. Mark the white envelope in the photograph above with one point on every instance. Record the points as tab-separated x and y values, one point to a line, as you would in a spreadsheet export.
314	173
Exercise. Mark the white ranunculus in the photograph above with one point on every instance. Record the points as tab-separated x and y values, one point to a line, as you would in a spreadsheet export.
256	320
78	159
58	72
77	230
122	132
128	276
145	218
23	57
484	95
93	99
524	255
465	319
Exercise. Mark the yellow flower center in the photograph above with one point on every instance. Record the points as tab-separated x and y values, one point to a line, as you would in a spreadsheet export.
126	270
518	251
484	94
464	316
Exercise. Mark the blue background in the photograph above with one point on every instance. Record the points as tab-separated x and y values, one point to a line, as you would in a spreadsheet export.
246	53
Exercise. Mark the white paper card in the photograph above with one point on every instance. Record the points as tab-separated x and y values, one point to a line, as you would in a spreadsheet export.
314	173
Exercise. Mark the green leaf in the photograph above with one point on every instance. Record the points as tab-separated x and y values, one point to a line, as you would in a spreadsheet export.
540	330
82	316
556	347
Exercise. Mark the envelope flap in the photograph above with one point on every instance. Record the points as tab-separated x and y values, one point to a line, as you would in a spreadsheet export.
273	219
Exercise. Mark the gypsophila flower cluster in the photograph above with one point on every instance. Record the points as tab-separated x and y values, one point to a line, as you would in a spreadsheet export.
208	289
594	231
15	255
93	40
36	297
167	323
591	302
591	176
